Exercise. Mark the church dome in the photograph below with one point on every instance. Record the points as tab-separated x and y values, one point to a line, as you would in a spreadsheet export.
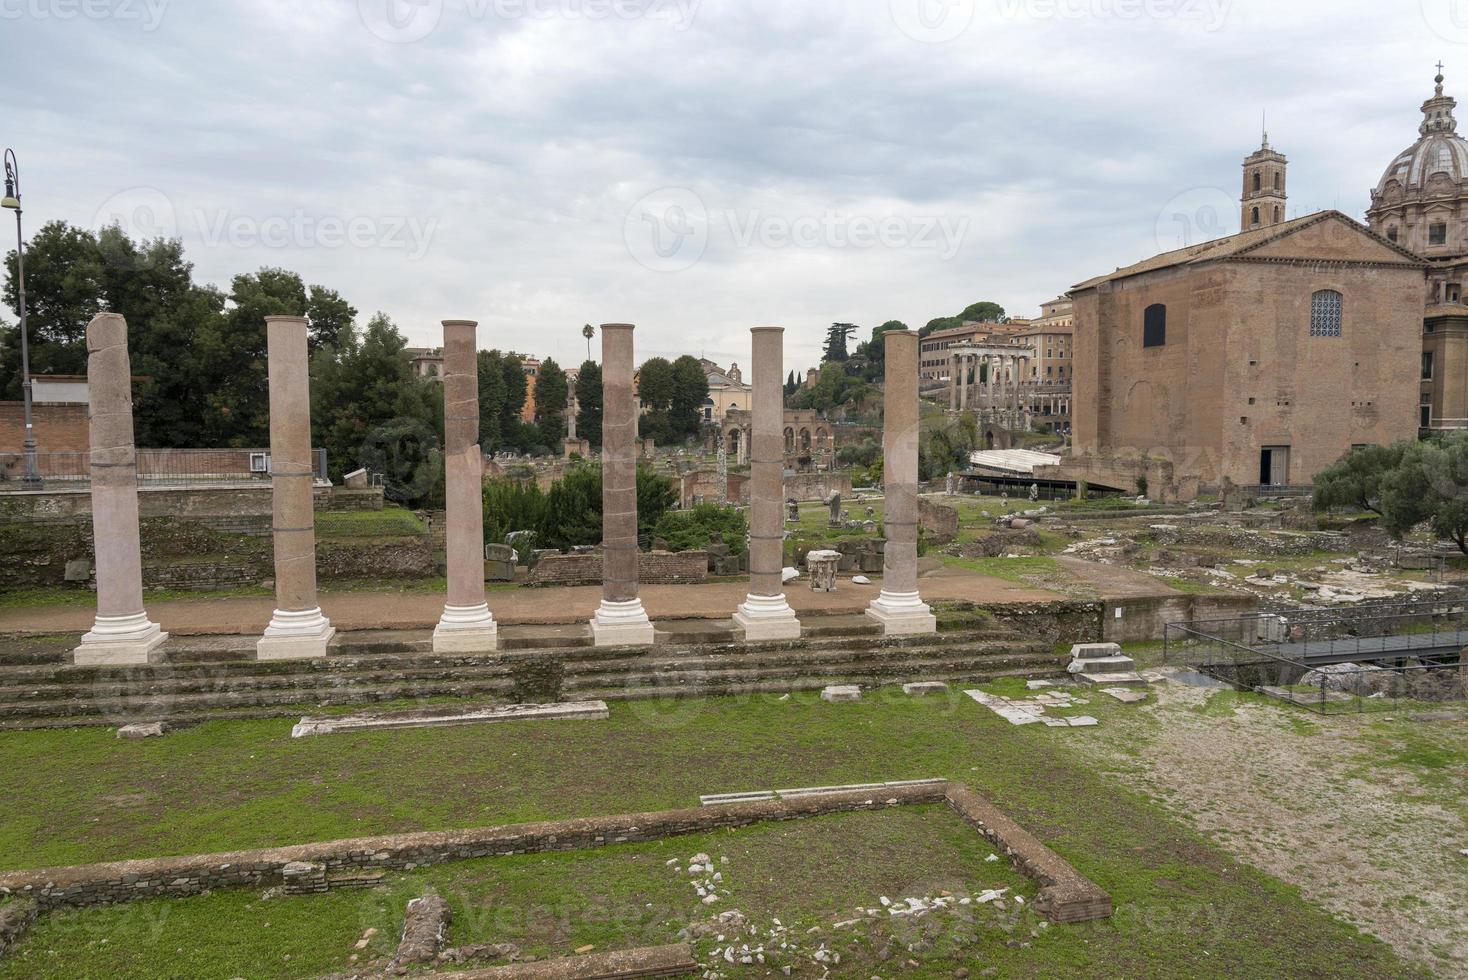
1436	165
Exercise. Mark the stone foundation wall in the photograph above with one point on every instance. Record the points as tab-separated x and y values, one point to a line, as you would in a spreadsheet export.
1065	894
1051	622
653	568
176	877
806	487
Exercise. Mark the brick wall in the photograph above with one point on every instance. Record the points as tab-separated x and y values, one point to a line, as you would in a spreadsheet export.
653	568
59	428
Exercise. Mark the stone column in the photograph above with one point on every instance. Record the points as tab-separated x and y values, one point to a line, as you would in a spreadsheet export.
122	632
899	608
621	620
467	626
952	382
298	630
963	365
765	614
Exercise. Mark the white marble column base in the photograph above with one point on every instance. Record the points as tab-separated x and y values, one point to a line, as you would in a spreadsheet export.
767	617
622	624
466	629
295	636
117	640
902	614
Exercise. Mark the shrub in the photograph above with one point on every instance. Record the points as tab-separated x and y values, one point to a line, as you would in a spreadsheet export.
692	530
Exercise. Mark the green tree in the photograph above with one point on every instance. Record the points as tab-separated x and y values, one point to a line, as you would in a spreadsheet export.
492	396
64	290
874	352
1429	485
588	404
551	394
656	496
1356	480
512	505
370	410
573	510
835	347
690	391
984	312
655	391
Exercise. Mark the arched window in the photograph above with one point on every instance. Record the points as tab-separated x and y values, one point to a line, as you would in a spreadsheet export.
1277	215
1278	180
1257	181
1325	314
1154	326
1255	219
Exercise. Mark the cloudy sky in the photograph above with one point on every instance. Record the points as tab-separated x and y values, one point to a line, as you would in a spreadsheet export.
698	167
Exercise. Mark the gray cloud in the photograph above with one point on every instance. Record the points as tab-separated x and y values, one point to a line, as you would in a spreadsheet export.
516	136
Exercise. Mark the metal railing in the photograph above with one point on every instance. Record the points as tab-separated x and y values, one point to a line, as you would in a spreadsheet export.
156	468
1347	660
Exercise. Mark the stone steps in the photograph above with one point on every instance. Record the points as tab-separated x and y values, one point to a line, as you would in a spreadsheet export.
327	677
218	678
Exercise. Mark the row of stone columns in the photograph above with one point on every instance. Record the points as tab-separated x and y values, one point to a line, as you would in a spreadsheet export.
299	630
1000	390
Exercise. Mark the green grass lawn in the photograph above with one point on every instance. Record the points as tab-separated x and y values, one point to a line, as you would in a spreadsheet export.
1184	909
390	522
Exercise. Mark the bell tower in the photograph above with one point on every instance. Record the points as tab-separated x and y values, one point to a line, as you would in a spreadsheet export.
1264	188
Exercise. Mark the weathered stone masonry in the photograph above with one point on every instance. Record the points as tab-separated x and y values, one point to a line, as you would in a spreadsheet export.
1065	895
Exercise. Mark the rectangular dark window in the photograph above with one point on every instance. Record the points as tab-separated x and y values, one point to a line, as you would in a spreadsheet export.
1154	326
1437	234
1427	365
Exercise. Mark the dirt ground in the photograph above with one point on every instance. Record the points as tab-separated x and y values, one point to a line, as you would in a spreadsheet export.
1366	814
376	611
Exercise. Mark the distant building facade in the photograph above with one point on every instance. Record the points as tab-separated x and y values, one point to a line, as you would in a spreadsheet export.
1257	359
1421	203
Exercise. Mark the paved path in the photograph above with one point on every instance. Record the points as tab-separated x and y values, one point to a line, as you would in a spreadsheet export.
390	611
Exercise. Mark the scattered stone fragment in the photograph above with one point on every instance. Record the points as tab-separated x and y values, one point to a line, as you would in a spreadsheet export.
1038	685
921	688
144	729
424	923
841	692
1125	695
1083	721
860	580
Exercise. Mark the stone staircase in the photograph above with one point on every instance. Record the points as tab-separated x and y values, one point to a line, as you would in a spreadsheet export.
215	678
1104	665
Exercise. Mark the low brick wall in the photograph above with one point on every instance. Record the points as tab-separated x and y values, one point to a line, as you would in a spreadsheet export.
1065	894
653	568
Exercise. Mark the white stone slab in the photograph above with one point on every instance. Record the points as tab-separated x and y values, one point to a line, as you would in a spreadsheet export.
841	692
1083	721
921	688
146	729
443	717
1125	694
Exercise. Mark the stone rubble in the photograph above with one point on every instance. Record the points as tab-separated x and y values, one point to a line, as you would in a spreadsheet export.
1031	711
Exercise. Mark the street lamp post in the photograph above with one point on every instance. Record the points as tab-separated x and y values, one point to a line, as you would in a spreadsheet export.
11	202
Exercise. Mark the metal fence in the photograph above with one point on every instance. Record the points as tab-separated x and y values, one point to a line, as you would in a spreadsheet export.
1364	658
156	467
